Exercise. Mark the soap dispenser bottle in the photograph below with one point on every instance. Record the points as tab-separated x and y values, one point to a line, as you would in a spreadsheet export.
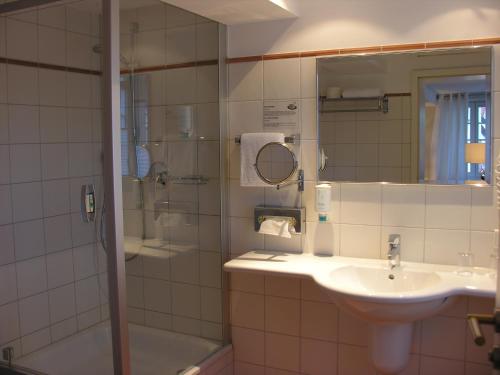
323	201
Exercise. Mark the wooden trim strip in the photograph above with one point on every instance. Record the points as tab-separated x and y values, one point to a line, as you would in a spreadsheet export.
155	68
277	56
398	94
370	49
450	43
33	64
485	41
345	51
232	60
403	47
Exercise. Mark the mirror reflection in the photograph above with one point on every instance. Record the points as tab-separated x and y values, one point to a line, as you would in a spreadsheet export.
275	163
413	117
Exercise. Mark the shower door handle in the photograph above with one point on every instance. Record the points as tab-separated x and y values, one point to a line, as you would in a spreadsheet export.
88	203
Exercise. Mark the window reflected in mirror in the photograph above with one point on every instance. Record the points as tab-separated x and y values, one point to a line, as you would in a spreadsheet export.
413	117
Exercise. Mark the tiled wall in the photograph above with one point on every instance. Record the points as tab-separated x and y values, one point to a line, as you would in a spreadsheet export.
50	280
270	317
288	326
368	146
175	283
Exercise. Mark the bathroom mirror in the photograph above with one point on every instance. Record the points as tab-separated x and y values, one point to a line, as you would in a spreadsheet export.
275	163
410	117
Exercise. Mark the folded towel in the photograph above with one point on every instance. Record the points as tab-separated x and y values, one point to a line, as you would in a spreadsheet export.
251	143
362	93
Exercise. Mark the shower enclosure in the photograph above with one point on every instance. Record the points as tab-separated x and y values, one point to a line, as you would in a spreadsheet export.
112	224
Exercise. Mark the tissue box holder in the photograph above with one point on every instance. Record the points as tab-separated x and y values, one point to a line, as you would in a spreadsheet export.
295	216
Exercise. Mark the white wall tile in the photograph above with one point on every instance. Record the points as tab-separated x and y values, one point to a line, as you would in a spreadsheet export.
186	300
7	255
448	207
62	303
55	197
22	85
282	78
308	77
9	322
84	261
25	163
63	329
245	117
5	205
180	86
360	203
27	201
60	268
180	44
52	85
362	241
87	294
80	159
54	16
4	164
35	341
246	81
51	45
403	205
88	318
29	239
443	246
23	124
54	161
211	304
157	295
483	213
151	17
178	17
31	276
150	47
34	313
482	245
21	40
53	127
207	41
8	284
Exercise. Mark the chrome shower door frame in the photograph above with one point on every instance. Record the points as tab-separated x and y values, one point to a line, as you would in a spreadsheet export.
113	187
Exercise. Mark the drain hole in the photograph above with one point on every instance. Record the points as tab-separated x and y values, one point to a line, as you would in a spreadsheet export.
392	277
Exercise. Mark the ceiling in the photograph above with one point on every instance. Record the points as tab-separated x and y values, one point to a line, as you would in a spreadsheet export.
233	12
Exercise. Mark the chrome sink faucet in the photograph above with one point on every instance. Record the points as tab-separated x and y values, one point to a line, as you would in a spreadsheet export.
394	253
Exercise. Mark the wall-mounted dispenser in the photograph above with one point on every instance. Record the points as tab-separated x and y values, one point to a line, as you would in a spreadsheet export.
323	201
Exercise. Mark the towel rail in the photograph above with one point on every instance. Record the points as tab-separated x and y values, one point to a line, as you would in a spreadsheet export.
289	139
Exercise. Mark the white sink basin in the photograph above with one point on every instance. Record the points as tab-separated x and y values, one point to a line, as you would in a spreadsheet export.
381	281
391	300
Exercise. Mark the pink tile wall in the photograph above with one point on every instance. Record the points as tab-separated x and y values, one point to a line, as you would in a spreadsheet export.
288	326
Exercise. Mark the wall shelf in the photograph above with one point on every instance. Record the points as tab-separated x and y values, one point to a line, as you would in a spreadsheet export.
375	104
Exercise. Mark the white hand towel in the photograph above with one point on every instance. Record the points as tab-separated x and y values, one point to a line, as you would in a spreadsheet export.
275	227
251	143
362	93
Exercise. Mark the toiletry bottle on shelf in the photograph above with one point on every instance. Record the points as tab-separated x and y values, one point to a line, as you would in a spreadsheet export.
323	201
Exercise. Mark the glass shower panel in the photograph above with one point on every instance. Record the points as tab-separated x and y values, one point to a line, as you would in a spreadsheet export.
53	280
171	185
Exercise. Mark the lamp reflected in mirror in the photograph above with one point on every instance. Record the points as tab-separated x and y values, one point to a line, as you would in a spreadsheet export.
475	156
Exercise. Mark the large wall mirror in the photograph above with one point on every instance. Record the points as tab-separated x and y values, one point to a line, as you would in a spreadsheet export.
412	117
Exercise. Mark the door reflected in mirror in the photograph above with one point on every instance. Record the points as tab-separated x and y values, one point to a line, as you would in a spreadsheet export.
275	163
413	117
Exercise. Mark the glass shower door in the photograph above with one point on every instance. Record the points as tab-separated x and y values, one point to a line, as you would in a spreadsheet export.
170	138
54	298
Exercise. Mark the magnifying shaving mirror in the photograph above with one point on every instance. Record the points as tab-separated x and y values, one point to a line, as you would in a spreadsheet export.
276	164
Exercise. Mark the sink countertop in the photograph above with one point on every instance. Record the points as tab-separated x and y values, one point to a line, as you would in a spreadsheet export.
320	269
